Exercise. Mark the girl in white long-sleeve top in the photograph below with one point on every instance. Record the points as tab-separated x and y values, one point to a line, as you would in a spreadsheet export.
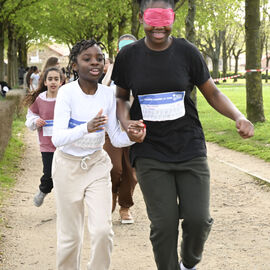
81	168
40	117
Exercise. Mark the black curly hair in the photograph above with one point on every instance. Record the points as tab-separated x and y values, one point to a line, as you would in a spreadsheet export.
77	49
143	3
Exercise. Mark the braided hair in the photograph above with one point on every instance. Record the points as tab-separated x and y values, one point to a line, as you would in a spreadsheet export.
77	49
143	3
31	97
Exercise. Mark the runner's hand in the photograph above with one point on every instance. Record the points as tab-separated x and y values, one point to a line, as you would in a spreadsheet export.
40	122
97	123
244	127
136	131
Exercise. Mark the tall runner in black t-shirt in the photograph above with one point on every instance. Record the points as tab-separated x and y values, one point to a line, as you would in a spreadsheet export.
171	163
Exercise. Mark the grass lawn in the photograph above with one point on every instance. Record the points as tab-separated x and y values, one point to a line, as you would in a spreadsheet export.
9	164
217	128
222	131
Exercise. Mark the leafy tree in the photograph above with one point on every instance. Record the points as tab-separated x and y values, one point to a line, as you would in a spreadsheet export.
237	47
213	19
9	11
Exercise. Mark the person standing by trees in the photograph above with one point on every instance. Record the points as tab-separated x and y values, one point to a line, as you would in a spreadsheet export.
27	78
40	117
34	79
171	163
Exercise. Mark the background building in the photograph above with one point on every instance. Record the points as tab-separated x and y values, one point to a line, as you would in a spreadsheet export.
38	54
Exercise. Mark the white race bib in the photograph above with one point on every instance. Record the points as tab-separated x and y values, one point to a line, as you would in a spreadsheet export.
163	106
91	140
48	128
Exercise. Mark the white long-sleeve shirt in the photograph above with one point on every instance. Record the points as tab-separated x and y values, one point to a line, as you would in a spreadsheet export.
43	107
74	109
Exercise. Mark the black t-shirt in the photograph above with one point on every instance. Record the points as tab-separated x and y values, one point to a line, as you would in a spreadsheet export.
156	78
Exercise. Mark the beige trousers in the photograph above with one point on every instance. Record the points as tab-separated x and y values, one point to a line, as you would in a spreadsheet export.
78	181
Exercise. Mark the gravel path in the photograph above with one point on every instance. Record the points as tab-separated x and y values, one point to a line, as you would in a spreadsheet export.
240	237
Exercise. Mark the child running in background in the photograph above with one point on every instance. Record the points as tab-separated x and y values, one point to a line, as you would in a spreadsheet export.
81	168
122	174
52	62
40	117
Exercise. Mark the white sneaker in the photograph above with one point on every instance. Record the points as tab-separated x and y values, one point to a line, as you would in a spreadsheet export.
39	198
125	215
182	267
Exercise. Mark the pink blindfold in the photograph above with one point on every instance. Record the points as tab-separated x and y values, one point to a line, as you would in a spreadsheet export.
158	16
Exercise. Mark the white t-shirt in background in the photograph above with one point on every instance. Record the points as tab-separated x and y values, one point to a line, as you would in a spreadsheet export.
35	79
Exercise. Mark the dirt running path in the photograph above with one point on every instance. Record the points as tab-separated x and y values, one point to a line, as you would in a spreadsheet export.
240	238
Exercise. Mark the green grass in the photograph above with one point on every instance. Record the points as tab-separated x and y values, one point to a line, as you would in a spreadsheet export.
222	131
9	164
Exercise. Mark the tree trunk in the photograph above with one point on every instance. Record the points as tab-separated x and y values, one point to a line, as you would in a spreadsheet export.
267	72
216	54
2	64
189	22
135	24
254	97
12	57
267	59
110	39
121	26
215	63
22	52
191	35
236	57
224	55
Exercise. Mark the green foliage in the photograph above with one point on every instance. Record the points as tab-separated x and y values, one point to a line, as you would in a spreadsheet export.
221	130
70	21
179	23
218	14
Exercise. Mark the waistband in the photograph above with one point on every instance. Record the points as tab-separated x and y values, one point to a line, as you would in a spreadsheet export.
92	157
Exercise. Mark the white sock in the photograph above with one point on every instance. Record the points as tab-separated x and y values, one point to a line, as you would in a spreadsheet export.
184	268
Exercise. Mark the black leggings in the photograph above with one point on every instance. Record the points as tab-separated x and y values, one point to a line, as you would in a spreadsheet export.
46	183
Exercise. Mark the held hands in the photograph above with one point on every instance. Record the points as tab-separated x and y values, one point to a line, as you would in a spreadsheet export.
244	127
136	131
97	123
40	123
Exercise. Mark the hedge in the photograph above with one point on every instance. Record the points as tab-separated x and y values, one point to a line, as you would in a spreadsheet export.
10	107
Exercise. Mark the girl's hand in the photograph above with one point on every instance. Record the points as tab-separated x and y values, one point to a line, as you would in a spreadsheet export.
40	122
244	127
97	123
136	131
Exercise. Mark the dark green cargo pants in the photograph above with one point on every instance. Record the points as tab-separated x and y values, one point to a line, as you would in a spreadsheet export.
174	191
